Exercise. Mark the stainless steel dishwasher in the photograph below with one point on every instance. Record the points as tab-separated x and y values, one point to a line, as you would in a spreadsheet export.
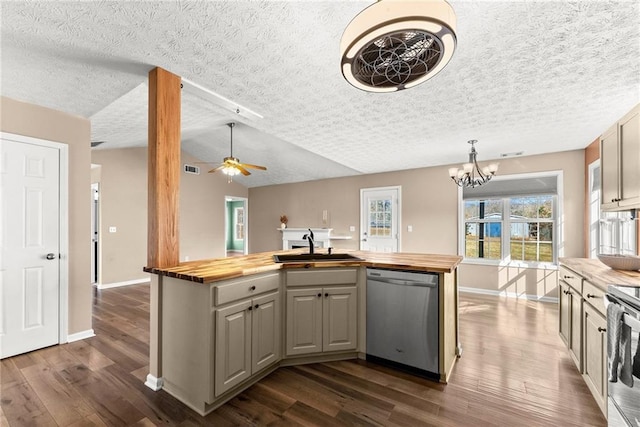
402	320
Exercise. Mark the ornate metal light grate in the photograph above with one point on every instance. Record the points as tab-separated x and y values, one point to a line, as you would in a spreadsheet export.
397	59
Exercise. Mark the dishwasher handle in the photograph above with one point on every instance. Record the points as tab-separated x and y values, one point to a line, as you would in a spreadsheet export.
402	282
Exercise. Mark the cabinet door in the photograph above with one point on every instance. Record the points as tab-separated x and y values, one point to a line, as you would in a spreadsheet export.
340	318
595	355
564	308
265	331
609	168
304	321
575	348
629	131
233	346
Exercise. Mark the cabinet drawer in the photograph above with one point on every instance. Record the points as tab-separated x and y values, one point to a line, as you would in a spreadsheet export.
245	288
322	277
571	278
594	296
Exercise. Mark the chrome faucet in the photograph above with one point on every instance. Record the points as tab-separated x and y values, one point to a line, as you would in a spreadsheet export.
312	243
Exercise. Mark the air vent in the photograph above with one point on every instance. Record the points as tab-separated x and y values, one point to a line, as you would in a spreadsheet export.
514	154
195	170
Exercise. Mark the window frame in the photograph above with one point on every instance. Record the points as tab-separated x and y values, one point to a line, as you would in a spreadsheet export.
558	229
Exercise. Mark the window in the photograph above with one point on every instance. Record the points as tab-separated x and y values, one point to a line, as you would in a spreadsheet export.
531	237
483	228
610	232
380	217
239	223
502	223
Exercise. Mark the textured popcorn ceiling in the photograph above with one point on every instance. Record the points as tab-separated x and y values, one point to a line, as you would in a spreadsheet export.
532	76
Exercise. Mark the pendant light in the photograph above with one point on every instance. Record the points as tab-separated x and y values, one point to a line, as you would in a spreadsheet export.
471	175
394	44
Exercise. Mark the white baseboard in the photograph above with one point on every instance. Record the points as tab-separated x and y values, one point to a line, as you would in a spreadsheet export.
153	383
125	283
507	294
81	335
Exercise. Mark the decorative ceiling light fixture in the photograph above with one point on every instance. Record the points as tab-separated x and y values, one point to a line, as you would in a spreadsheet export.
471	175
395	44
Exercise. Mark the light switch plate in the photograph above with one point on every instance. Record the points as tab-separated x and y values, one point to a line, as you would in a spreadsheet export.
409	228
352	228
112	229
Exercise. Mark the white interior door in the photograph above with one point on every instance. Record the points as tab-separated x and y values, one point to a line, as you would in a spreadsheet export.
380	219
30	238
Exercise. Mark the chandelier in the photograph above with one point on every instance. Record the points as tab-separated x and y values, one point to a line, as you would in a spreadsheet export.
471	175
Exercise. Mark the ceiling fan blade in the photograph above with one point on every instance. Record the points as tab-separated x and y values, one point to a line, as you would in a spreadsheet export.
248	165
243	170
216	169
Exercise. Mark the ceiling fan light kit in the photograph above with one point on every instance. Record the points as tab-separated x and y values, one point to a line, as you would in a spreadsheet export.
471	175
231	166
394	44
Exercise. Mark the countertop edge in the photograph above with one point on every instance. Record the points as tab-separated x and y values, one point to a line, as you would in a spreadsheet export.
599	274
448	266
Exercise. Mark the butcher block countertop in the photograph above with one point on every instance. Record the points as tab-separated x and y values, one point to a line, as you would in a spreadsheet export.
213	270
599	274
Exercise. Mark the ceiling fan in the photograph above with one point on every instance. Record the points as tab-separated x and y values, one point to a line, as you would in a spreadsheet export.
231	166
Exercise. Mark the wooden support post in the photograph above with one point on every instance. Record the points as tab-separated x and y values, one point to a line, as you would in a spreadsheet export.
163	200
164	169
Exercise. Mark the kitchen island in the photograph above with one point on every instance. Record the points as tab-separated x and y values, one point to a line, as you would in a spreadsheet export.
223	324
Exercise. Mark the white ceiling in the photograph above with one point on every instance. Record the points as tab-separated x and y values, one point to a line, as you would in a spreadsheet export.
532	76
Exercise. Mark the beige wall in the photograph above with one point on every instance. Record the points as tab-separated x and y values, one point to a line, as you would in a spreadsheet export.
123	204
430	205
40	122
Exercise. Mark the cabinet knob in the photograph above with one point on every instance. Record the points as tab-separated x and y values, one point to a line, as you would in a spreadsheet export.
319	295
602	329
250	308
256	306
326	295
592	296
252	288
567	277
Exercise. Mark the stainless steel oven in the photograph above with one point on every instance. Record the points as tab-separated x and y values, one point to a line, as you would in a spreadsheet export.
624	357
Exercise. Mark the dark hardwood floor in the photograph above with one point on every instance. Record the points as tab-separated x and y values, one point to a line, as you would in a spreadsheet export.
514	371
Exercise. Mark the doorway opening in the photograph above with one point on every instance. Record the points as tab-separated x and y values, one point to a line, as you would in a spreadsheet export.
236	220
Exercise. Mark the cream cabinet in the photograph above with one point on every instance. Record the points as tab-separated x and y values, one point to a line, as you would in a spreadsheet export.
582	327
247	340
321	311
620	163
570	314
217	336
321	320
595	354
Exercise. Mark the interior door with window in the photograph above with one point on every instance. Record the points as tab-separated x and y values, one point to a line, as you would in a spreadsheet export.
380	219
29	263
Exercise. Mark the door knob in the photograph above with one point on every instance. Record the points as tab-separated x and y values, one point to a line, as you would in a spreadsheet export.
51	256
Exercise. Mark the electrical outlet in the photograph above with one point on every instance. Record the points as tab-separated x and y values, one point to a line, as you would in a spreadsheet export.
186	257
409	228
112	229
352	228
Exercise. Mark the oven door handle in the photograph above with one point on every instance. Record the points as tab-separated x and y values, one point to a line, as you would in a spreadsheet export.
627	317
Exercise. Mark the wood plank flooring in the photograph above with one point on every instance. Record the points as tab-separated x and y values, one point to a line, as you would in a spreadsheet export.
514	371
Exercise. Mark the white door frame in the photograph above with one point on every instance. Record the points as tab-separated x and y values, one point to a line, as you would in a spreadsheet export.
363	226
246	221
63	280
591	220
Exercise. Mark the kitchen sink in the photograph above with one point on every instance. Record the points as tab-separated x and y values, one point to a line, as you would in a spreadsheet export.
314	257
